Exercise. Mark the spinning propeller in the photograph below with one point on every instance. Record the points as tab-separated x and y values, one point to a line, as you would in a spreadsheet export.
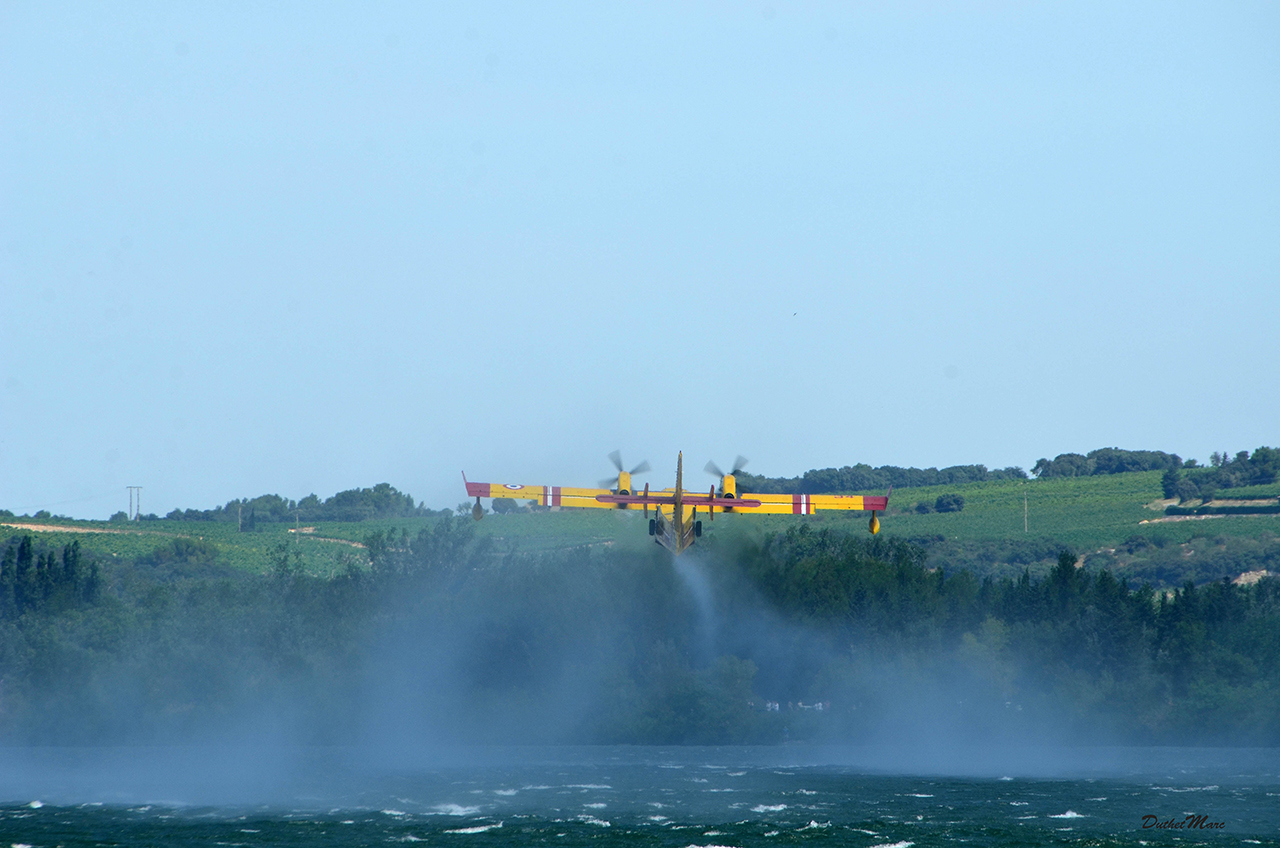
738	464
728	487
623	480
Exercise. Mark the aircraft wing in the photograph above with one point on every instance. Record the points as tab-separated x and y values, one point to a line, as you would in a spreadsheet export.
599	498
543	495
607	499
809	504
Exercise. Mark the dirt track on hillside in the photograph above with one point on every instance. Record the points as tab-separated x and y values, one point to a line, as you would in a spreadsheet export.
58	528
61	528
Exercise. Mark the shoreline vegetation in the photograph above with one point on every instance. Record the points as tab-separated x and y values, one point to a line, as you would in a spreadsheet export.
388	620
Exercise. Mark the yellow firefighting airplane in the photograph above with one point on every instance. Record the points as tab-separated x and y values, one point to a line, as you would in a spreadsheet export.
676	530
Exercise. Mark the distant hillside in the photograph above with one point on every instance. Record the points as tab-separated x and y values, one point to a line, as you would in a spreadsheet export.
966	517
382	501
862	477
1186	479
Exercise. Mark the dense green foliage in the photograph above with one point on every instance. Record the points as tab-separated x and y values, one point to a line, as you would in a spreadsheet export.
1271	508
1200	560
33	580
449	635
1105	461
1261	468
864	478
382	501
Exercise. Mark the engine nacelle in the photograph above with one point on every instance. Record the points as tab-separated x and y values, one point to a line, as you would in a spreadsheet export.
624	482
728	486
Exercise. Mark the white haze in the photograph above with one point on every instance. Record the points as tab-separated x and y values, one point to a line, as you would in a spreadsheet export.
468	672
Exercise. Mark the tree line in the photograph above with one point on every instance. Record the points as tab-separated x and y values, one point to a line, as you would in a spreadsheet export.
1105	461
862	477
1186	479
380	501
1244	469
34	578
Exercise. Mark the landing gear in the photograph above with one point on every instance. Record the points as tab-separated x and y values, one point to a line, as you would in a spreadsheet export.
653	527
697	529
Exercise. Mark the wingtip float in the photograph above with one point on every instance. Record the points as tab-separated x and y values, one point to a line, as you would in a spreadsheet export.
678	512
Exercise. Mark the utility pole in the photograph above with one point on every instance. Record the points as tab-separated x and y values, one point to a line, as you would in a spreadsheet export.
135	511
1024	506
239	521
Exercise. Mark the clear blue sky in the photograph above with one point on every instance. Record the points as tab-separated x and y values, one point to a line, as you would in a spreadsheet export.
311	247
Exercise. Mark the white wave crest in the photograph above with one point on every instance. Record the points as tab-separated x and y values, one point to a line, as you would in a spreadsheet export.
480	828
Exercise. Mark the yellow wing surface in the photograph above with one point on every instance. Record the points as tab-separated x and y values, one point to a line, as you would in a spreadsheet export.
809	504
542	495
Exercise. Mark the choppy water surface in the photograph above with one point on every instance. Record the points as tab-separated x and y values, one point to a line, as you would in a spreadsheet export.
629	796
